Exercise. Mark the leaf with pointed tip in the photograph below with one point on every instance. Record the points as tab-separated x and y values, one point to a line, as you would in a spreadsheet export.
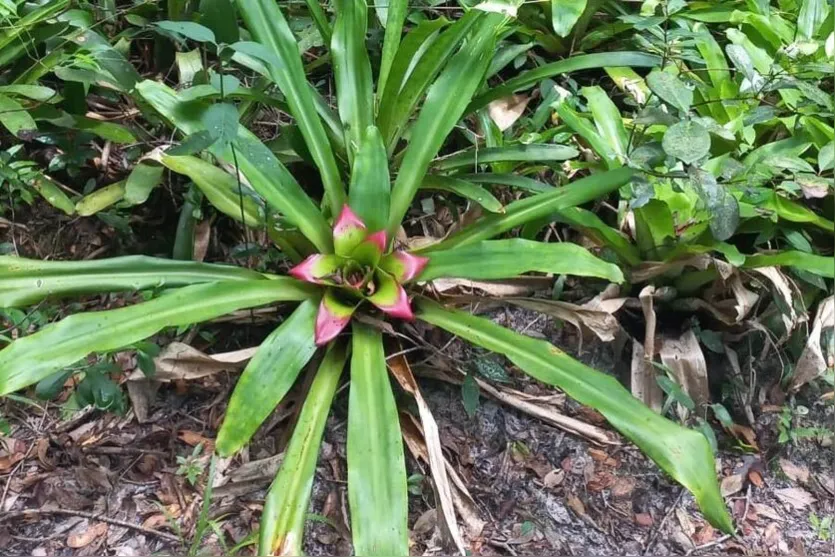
515	153
601	145
573	64
683	453
317	268
670	89
333	316
464	189
403	266
687	141
395	16
607	119
268	377
348	232
28	281
498	259
189	30
444	106
377	488
56	346
141	181
536	207
220	188
391	297
285	508
268	26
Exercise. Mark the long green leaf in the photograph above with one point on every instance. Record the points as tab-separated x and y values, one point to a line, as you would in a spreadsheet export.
352	71
395	17
536	207
683	453
268	377
268	26
370	192
265	173
220	188
593	226
515	153
463	188
285	508
399	99
28	281
512	180
15	118
444	106
573	64
601	145
817	264
497	259
31	358
53	194
377	492
607	118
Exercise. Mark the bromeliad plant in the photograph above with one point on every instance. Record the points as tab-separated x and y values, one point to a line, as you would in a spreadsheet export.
352	261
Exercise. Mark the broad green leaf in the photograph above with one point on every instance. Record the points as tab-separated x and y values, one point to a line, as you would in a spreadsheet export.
444	106
219	187
370	191
352	71
607	119
682	453
464	189
28	281
790	147
268	26
100	199
268	377
265	173
54	195
817	264
826	157
286	505
320	19
564	14
56	346
34	92
517	153
498	259
142	179
392	14
470	395
377	493
538	206
221	121
670	89
400	99
15	118
720	204
110	131
109	58
811	15
221	18
687	141
189	30
573	64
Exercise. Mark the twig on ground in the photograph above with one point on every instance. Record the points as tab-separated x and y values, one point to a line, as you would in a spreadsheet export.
670	511
717	541
90	516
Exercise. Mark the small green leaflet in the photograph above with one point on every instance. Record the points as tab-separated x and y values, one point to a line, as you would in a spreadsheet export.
564	15
189	30
670	89
221	121
687	141
470	395
722	206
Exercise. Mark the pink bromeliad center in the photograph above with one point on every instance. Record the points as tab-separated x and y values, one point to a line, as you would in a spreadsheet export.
359	270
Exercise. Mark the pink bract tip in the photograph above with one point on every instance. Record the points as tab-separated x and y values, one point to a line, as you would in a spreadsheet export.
328	325
378	239
305	270
412	265
347	219
401	308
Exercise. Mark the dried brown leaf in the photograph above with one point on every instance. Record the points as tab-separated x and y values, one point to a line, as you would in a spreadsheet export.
730	485
87	537
795	472
797	497
504	112
813	361
684	357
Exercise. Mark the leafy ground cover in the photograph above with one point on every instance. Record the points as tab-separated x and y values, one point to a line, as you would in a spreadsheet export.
655	176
